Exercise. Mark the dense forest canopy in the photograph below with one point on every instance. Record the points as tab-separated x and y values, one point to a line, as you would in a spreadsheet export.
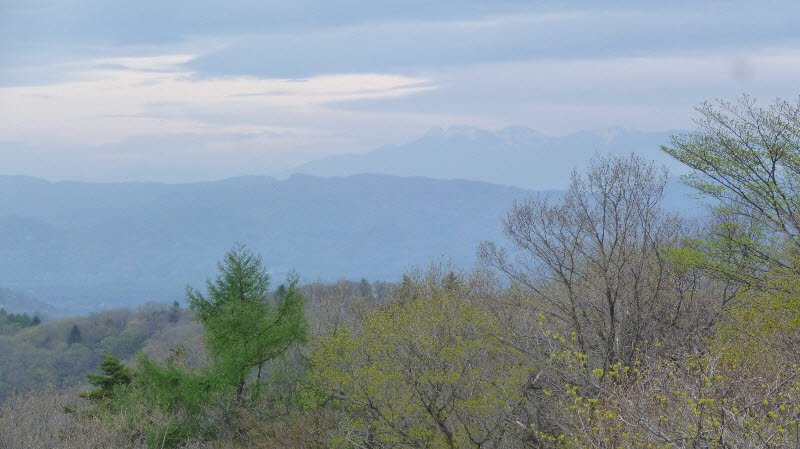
604	320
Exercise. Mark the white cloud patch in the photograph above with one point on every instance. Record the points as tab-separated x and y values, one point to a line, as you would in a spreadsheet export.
121	98
164	62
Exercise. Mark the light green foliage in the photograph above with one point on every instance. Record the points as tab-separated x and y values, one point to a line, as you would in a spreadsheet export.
741	391
430	370
762	333
746	159
697	401
244	327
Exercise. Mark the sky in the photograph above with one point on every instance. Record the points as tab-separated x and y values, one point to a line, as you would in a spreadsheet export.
176	91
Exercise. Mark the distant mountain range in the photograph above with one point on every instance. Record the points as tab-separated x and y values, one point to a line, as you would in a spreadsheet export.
85	245
516	156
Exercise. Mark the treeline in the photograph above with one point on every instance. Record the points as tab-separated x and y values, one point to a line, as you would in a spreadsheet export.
604	322
16	319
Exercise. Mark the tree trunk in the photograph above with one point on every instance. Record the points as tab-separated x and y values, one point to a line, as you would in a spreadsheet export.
239	389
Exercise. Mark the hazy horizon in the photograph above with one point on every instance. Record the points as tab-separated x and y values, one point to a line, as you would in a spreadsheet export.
446	139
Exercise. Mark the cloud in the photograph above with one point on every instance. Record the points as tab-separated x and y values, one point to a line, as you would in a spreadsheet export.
408	46
122	22
119	98
192	90
154	63
302	38
151	118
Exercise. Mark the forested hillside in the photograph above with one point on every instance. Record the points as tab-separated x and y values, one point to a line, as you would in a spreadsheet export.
61	352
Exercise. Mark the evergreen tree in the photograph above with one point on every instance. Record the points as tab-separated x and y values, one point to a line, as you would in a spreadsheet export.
452	281
114	373
365	289
175	312
74	335
244	328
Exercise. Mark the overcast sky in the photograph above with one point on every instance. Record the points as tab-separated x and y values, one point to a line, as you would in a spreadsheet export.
195	90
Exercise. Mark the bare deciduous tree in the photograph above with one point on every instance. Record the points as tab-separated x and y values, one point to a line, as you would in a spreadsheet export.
596	259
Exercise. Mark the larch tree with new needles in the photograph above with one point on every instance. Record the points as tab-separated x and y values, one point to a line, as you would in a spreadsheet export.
245	325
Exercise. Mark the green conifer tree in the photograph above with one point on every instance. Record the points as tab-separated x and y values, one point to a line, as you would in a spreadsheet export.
244	327
365	289
114	373
74	335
